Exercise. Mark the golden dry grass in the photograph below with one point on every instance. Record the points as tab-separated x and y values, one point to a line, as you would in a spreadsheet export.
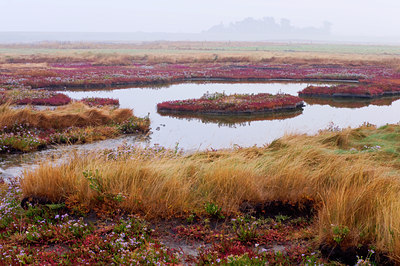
75	114
349	189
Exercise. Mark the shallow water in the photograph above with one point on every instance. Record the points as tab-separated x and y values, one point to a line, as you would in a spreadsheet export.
206	132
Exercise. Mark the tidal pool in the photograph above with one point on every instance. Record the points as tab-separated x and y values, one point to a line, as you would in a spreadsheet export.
206	132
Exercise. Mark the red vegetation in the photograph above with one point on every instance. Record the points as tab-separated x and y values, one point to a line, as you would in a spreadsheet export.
100	101
236	104
49	98
356	91
34	97
85	74
55	100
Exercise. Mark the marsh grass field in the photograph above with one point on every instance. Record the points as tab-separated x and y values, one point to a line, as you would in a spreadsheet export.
326	198
198	47
175	52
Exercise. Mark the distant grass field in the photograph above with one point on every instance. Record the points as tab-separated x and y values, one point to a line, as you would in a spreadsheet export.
200	47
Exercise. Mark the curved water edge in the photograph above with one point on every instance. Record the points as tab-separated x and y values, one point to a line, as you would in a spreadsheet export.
204	133
13	165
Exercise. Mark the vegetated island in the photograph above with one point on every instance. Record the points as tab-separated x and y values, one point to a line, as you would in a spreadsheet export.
362	91
27	129
235	104
49	98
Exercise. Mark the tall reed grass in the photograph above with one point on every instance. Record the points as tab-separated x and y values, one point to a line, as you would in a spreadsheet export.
351	188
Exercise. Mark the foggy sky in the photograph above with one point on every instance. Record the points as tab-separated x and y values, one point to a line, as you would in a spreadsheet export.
348	17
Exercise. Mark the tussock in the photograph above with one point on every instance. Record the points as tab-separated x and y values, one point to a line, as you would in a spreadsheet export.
76	114
342	138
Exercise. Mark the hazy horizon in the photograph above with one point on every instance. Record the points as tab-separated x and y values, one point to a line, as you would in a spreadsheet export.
349	19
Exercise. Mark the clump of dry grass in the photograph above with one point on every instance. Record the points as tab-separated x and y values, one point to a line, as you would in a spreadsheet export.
75	114
342	138
351	190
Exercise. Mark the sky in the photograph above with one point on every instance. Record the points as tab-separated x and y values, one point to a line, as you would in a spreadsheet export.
348	17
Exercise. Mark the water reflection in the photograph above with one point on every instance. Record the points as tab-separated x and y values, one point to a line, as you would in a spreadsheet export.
350	103
233	120
204	133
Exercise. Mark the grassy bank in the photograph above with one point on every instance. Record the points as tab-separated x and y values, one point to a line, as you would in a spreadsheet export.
24	130
350	179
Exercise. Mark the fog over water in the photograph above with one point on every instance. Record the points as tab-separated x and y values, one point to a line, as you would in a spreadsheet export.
356	20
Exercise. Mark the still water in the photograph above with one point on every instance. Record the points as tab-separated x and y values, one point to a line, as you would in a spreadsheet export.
208	132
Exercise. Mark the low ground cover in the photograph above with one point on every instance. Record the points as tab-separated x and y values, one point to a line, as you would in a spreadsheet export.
53	233
48	98
87	74
95	101
351	91
347	179
25	130
33	97
220	103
